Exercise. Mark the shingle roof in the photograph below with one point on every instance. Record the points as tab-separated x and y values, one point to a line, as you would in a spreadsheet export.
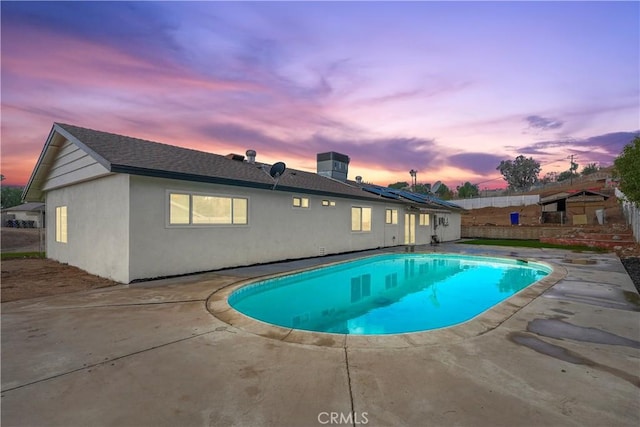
141	157
124	154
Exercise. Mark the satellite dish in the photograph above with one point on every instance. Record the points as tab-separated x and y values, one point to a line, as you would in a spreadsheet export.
277	170
436	186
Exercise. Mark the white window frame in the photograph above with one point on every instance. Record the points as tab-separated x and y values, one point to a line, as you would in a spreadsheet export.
391	216
361	209
300	202
329	203
424	219
191	224
61	224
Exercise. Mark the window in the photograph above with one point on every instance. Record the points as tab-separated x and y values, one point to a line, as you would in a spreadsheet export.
328	203
200	209
240	211
300	202
61	224
211	210
360	219
424	219
179	208
391	216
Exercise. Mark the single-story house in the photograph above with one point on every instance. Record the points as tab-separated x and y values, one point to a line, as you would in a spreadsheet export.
576	207
26	215
130	209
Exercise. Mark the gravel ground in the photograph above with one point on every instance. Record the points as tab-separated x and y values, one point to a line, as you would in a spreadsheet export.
632	264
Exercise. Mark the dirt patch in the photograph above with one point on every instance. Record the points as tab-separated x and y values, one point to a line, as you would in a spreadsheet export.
22	240
530	215
31	278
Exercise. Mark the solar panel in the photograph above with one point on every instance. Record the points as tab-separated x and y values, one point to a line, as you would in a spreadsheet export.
393	193
380	191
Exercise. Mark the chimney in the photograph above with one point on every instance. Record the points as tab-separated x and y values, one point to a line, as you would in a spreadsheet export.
251	156
333	165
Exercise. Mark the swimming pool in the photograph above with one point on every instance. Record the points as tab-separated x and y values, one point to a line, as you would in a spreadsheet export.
387	294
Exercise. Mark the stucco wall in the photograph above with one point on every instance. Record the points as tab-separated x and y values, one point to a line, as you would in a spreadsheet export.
276	230
118	228
97	226
450	232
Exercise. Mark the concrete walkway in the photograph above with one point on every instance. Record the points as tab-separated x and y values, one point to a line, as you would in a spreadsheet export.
151	354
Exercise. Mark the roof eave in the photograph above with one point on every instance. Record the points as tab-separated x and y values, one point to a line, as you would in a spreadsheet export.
37	170
155	173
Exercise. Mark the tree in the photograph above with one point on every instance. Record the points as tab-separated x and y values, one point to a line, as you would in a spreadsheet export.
422	188
549	177
399	185
444	192
627	167
521	173
590	168
467	190
563	176
11	196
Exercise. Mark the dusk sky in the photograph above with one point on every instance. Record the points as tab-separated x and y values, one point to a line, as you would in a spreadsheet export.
446	88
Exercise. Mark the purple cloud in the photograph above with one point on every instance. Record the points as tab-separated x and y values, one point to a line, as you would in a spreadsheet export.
600	148
543	123
478	163
396	153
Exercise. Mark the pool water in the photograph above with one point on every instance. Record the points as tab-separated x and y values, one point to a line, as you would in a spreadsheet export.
387	294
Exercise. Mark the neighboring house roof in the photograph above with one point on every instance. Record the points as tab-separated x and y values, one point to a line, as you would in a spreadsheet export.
26	207
123	154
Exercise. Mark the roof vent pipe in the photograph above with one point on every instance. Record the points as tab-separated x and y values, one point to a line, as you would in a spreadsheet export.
251	156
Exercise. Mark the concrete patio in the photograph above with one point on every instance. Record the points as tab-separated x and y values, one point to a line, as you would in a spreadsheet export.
152	354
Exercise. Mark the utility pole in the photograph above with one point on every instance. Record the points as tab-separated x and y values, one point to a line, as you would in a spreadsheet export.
571	169
414	174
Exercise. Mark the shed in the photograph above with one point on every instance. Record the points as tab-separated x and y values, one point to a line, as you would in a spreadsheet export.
581	207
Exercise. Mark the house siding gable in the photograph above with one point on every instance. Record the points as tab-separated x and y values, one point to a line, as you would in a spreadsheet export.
72	165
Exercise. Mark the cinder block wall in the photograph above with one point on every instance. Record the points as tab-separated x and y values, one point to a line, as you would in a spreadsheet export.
514	232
